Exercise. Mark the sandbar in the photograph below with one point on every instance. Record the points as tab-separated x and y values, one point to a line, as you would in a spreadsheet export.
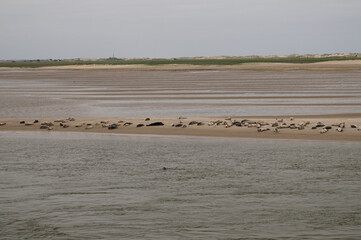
209	129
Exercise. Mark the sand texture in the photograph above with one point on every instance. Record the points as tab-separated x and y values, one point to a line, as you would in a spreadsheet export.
98	93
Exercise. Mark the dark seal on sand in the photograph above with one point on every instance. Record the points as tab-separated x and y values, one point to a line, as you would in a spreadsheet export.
155	124
113	126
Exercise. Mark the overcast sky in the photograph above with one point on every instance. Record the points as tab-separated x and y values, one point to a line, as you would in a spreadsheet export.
31	29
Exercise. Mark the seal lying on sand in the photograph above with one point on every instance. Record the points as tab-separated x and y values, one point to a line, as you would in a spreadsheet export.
113	126
155	124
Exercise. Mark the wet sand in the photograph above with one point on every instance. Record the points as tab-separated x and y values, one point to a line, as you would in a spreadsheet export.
329	97
209	129
100	93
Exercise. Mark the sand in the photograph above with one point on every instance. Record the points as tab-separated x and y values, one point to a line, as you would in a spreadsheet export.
94	96
348	134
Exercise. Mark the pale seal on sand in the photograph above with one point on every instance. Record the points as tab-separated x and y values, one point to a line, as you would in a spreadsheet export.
324	130
262	129
339	129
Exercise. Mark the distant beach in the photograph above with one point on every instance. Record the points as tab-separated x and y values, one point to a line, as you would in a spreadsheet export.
326	62
320	66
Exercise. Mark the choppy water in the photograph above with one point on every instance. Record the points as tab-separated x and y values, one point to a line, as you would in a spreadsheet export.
102	186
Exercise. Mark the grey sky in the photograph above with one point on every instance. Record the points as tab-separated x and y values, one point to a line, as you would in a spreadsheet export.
31	29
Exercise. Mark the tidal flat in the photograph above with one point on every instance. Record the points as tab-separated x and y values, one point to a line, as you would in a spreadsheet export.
163	182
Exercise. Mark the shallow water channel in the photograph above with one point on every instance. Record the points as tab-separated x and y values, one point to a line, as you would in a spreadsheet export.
103	186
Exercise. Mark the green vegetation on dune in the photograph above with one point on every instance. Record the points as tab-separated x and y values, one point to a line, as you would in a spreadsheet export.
190	61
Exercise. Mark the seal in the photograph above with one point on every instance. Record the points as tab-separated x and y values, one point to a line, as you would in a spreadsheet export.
238	124
155	124
192	123
113	126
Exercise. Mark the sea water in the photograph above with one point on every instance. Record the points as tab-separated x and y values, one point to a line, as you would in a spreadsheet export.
62	185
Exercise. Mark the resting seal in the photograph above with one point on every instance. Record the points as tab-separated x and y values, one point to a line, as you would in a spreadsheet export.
155	124
113	126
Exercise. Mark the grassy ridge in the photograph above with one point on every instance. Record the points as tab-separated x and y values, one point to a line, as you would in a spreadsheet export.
191	61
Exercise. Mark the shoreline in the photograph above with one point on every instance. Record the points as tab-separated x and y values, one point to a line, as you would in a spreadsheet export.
345	65
223	129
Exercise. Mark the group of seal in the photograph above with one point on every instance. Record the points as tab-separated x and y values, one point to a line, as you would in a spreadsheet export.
260	126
